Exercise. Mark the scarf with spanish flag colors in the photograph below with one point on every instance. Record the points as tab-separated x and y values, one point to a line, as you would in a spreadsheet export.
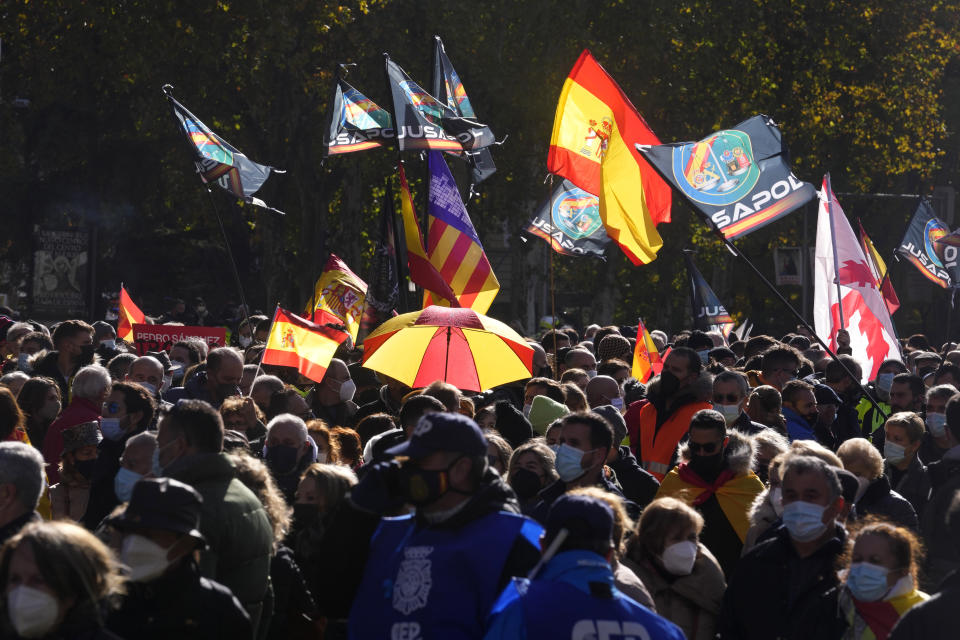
734	493
593	143
879	617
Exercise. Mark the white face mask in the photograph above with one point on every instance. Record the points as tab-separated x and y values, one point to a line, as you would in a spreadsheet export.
245	341
347	389
730	412
679	558
32	612
146	559
109	344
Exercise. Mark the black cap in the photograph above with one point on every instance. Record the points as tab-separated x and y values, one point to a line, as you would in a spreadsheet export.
585	517
826	395
162	503
443	432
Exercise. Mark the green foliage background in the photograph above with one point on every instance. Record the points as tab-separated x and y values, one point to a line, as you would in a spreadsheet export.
866	91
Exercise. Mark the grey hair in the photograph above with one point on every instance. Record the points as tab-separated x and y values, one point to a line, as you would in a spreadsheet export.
772	439
22	466
734	376
18	330
943	391
271	382
807	464
13	377
91	382
289	419
142	438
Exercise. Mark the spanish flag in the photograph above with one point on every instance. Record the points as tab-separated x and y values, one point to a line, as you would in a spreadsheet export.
646	358
422	272
301	344
594	133
129	315
338	297
879	269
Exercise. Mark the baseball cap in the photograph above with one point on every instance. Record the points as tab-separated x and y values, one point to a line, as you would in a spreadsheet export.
585	518
442	431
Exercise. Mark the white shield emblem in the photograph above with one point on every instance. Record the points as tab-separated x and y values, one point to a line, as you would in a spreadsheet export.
412	586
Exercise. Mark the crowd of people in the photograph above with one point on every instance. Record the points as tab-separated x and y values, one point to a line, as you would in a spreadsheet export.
751	489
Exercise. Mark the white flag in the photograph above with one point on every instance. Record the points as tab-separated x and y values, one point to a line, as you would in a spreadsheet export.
865	314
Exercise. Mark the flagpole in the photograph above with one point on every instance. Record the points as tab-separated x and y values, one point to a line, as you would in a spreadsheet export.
736	252
233	263
553	297
836	258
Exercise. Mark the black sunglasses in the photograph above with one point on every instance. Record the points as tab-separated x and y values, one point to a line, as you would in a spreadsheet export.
730	398
709	447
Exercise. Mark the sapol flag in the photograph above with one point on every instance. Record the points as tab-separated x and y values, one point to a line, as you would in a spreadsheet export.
356	122
570	221
844	284
217	161
922	246
737	178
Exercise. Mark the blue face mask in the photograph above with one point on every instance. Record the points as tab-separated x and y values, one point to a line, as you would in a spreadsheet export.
568	462
123	483
804	520
111	429
885	381
867	582
936	424
893	452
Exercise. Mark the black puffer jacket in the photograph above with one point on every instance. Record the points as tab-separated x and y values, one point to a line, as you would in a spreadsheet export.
880	500
935	619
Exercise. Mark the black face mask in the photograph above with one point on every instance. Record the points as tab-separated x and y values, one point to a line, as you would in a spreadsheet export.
305	516
525	483
707	467
86	353
227	390
669	384
85	467
282	460
421	486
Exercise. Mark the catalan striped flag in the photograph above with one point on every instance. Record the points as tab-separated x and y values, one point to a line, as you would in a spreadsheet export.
879	269
422	272
298	343
453	245
593	145
129	315
646	357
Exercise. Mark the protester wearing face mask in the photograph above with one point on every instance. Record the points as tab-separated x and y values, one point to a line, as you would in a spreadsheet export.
584	444
465	517
799	409
40	402
580	359
288	451
906	394
879	577
332	398
531	468
127	411
136	463
656	425
184	355
167	596
90	388
902	465
105	339
875	497
219	381
58	580
74	348
785	586
148	372
828	404
715	477
68	498
935	441
604	390
870	418
190	449
730	391
836	376
684	578
540	387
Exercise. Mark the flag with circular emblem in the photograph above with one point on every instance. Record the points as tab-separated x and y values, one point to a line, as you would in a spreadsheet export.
296	342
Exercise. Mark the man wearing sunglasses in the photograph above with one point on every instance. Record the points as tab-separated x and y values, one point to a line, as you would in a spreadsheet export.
714	477
730	391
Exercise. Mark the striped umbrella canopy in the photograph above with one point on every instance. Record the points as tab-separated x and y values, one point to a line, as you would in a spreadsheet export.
471	351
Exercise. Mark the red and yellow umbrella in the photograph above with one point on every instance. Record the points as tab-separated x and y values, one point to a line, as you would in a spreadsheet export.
469	350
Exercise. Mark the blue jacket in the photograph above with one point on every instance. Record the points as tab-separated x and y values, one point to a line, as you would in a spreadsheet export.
797	426
574	597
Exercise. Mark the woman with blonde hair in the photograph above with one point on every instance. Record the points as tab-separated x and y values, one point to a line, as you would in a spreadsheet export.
684	578
879	575
58	581
875	497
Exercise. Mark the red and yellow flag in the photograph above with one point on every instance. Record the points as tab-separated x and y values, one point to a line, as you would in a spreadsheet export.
646	358
301	344
594	133
338	297
129	315
422	272
879	269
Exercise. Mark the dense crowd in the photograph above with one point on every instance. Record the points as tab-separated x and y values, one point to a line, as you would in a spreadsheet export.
751	489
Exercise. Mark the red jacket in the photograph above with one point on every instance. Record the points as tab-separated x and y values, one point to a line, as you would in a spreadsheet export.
77	412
